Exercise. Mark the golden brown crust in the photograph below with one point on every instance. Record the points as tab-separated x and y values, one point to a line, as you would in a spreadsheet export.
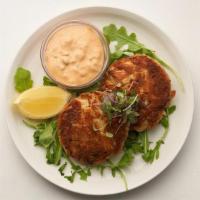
81	138
145	76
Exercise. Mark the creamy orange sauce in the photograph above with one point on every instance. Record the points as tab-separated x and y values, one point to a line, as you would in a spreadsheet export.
74	54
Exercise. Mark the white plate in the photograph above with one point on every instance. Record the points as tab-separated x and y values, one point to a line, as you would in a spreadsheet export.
139	173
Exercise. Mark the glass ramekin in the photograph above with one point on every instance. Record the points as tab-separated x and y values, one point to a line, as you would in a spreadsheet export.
97	77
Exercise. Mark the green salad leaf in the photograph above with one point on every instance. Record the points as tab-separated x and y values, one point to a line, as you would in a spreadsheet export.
48	82
54	152
45	135
120	35
150	154
126	159
62	168
22	79
83	172
117	168
118	54
165	120
31	123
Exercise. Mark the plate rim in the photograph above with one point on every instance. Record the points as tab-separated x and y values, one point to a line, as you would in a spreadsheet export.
108	9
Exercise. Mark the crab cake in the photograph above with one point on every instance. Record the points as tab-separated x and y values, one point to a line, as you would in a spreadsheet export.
85	132
145	76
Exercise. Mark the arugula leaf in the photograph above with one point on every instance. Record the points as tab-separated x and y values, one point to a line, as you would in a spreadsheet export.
120	35
54	152
47	137
39	130
31	123
77	169
171	109
123	177
153	154
47	81
141	144
58	152
115	168
83	175
126	159
145	141
62	168
134	143
149	155
118	54
89	171
101	168
165	120
71	178
22	79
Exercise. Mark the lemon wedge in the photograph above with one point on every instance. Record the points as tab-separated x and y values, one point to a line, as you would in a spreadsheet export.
42	102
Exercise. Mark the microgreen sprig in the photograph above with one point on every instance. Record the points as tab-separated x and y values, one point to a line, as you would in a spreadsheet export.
121	104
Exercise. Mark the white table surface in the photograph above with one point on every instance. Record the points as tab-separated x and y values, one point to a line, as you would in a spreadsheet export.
180	19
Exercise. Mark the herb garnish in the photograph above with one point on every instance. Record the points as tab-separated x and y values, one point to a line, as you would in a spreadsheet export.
120	104
22	79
